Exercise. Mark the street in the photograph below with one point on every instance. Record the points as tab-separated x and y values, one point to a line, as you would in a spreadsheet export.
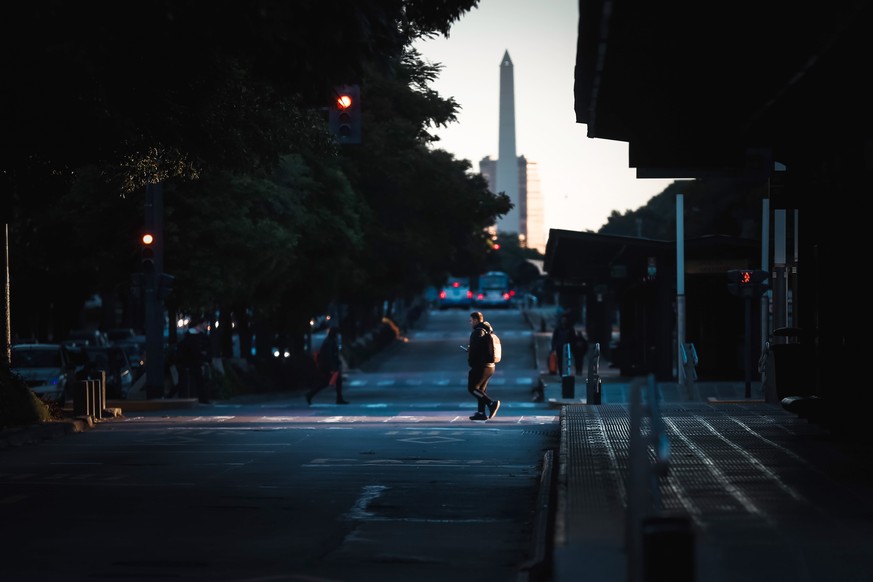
399	484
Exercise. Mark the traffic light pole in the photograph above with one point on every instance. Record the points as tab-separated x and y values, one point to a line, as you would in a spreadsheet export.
748	284
152	300
747	301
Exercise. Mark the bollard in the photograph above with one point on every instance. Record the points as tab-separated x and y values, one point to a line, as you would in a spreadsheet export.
95	400
593	385
568	380
568	387
592	390
81	398
668	549
101	394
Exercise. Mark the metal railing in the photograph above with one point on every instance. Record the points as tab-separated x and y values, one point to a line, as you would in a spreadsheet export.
659	546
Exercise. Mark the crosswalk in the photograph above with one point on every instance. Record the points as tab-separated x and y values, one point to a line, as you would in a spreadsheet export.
430	379
454	335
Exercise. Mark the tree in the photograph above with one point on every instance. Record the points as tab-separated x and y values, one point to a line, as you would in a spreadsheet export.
427	212
223	107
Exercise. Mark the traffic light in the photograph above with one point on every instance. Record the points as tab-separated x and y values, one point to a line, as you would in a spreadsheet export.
344	114
747	282
147	252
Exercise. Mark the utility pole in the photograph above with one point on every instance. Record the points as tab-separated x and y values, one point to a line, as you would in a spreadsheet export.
7	303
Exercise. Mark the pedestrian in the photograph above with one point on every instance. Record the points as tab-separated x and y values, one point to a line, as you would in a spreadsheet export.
564	334
330	366
192	354
480	358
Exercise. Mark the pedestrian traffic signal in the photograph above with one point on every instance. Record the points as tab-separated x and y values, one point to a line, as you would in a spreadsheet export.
344	114
747	282
147	252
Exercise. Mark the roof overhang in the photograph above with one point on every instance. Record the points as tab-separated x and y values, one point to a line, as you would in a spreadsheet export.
696	87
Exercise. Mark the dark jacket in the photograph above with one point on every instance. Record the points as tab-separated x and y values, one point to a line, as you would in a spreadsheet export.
192	349
478	355
329	353
563	334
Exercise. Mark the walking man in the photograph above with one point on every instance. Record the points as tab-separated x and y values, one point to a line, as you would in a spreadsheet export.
330	366
480	358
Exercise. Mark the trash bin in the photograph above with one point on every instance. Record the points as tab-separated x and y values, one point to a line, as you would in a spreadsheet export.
788	366
791	374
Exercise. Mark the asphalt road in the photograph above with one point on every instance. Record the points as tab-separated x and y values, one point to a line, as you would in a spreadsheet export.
398	485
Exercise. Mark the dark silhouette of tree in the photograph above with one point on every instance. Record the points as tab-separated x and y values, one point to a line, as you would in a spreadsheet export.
224	105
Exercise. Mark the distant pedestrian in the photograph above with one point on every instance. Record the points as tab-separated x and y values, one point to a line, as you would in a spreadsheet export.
192	355
480	358
330	366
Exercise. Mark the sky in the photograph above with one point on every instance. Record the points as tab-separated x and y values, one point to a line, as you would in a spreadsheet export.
582	179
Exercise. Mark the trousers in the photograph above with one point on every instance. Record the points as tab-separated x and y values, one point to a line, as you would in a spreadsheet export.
477	385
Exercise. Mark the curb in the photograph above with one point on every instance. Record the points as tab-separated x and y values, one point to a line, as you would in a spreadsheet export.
539	567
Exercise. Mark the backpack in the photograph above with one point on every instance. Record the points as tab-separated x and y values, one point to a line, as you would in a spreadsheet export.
494	349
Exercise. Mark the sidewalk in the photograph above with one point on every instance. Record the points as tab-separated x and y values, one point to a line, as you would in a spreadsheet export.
748	492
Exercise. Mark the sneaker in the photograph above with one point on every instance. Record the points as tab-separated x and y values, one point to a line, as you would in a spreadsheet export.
493	408
479	416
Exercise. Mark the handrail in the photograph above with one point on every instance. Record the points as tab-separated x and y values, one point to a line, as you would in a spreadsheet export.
644	494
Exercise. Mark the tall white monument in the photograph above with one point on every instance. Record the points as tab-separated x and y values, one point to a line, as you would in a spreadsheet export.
507	162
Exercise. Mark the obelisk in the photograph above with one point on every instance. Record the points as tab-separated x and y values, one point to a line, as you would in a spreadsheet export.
507	162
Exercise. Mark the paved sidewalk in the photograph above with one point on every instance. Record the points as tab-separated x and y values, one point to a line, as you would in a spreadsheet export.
749	491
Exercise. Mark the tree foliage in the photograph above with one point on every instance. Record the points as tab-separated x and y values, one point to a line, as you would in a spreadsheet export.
224	104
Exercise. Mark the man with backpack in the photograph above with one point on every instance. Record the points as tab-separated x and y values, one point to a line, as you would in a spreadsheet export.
482	359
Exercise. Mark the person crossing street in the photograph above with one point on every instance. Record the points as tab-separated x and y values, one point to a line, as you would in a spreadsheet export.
480	358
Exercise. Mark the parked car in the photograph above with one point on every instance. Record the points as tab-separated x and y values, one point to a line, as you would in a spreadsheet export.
110	359
124	335
135	354
47	368
85	337
456	293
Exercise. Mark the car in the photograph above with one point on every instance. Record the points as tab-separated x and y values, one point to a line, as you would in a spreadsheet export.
47	368
110	359
135	354
456	293
85	337
124	335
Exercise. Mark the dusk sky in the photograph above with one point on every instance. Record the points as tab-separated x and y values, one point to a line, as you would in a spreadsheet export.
582	179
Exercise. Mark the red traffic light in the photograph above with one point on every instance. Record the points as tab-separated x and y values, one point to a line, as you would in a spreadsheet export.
344	116
147	252
344	101
747	282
